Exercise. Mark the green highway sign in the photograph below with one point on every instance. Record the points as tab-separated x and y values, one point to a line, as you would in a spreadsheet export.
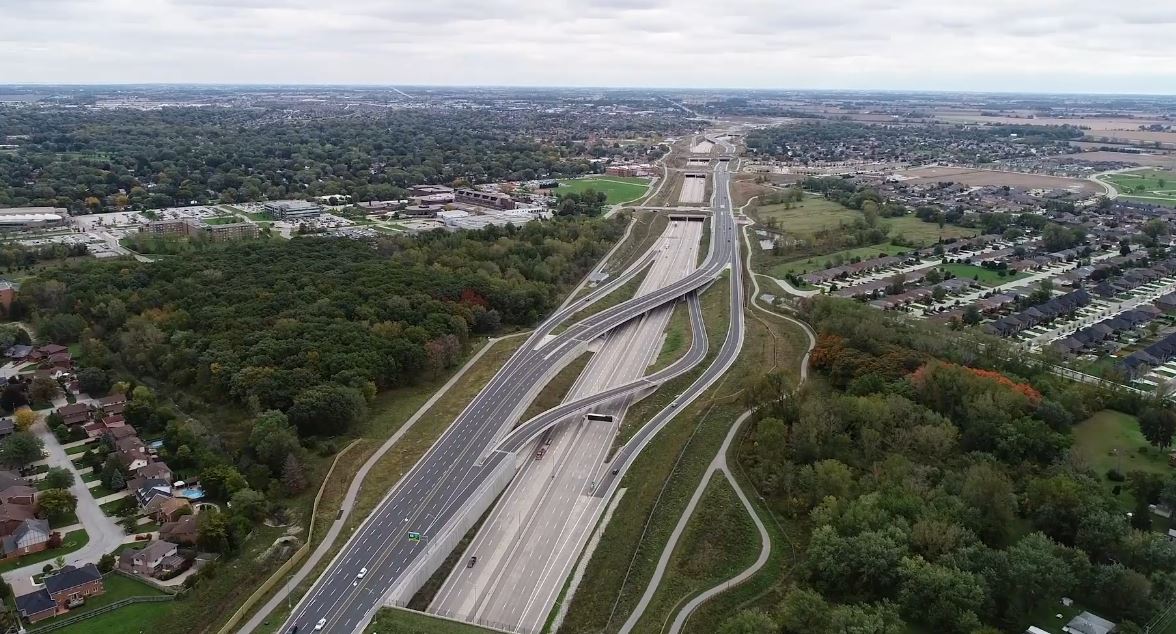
414	536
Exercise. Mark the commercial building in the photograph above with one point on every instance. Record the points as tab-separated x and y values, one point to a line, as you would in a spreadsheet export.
496	200
628	170
292	209
15	218
430	190
197	229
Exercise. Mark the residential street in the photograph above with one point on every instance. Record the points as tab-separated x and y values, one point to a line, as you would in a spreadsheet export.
105	534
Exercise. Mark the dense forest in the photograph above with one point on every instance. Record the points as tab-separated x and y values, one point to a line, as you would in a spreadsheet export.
312	327
934	487
102	160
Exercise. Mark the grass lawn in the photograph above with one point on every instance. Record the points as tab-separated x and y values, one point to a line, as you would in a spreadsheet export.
719	541
69	543
131	619
808	217
554	392
112	507
1156	187
679	337
675	461
101	491
925	233
223	220
81	449
987	277
89	476
819	262
620	189
394	621
1112	440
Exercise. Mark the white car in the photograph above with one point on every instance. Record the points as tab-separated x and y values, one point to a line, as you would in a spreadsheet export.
362	573
320	625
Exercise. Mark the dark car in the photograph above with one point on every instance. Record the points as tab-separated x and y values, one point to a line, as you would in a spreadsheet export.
473	560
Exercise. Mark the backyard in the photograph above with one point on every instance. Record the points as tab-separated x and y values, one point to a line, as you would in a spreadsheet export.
619	189
1112	440
129	619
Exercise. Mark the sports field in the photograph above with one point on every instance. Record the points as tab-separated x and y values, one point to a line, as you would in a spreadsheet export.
1150	186
620	189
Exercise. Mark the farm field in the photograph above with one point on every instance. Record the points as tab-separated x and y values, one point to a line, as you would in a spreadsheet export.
1148	160
1152	186
618	188
981	177
987	277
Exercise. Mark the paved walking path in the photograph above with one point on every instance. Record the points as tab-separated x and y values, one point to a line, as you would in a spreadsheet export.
718	464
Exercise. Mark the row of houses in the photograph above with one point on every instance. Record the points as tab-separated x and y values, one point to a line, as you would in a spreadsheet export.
1098	333
1042	313
1142	361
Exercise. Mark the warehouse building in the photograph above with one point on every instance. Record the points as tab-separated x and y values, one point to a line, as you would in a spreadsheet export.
15	218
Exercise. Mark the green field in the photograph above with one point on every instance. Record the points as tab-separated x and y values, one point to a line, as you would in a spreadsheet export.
987	277
925	233
394	621
1149	186
620	189
1112	440
806	218
818	262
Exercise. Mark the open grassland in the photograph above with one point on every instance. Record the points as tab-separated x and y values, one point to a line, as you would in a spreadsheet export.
1111	440
806	218
660	483
915	231
620	189
1157	187
719	541
678	339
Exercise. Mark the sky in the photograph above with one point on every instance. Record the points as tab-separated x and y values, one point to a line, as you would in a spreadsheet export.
973	45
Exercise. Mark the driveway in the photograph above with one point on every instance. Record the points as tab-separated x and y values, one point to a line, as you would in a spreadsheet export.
104	534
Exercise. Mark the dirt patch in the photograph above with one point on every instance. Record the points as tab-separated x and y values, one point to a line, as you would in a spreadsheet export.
1146	160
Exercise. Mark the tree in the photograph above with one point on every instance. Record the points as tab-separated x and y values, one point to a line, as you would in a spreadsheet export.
249	503
748	622
222	481
946	599
327	410
56	503
94	382
864	618
989	493
106	563
1158	424
58	478
212	532
44	389
1039	574
803	611
24	418
293	475
13	397
20	449
972	315
273	439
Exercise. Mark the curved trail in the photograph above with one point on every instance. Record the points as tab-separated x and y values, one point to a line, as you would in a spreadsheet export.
719	464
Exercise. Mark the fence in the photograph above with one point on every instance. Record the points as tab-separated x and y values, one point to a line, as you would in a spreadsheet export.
57	624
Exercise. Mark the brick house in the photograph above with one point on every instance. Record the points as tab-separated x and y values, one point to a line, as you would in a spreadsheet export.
32	536
75	413
68	588
18	494
182	531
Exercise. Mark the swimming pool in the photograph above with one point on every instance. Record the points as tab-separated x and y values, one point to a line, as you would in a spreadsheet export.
192	493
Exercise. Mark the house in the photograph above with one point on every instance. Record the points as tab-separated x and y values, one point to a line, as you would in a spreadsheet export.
75	413
13	515
9	478
7	427
68	588
32	536
183	530
132	453
172	509
154	560
150	494
1087	623
18	352
112	400
155	471
18	494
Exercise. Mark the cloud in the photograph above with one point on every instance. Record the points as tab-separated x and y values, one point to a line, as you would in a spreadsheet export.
1050	45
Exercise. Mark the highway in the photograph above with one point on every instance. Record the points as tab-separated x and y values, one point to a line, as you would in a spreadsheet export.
531	539
443	481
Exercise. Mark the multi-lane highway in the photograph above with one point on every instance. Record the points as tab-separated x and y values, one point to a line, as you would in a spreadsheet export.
437	488
530	541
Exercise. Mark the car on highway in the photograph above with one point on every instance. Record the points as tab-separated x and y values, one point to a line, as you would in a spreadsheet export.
473	560
361	574
320	625
539	453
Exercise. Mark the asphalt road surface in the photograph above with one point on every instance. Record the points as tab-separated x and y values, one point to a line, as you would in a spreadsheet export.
531	539
450	473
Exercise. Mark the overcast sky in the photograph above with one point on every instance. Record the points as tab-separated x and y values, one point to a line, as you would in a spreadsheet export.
1015	45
